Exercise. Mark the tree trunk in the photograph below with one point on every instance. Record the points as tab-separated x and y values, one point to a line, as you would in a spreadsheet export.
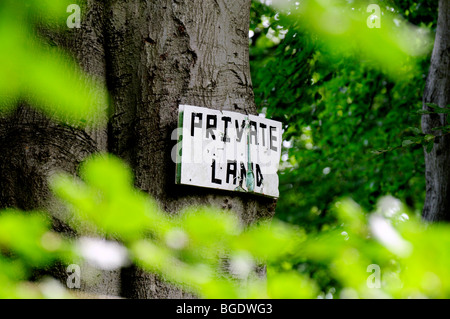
153	55
437	91
161	54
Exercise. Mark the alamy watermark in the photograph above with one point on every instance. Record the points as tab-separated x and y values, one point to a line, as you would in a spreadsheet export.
374	280
74	20
374	20
73	276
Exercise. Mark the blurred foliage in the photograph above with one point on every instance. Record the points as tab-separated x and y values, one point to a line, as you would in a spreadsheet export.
26	244
193	249
207	252
351	129
40	74
346	27
352	126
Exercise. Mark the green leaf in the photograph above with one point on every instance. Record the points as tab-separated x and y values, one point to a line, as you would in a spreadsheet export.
424	112
432	105
407	142
442	111
430	146
429	137
415	130
441	128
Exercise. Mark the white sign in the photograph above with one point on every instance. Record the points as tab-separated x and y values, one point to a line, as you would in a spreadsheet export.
228	150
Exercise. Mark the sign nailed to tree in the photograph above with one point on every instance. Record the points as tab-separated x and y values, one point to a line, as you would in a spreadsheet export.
228	150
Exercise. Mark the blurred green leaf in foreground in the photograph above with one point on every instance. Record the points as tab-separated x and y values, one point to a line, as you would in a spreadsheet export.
42	75
209	253
28	244
349	27
206	251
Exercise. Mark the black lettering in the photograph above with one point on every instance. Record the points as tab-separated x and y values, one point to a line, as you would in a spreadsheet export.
211	124
253	132
240	132
231	170
226	120
193	124
243	172
259	176
272	139
263	127
213	175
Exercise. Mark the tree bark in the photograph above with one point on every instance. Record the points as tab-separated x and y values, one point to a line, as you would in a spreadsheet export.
153	56
161	54
437	91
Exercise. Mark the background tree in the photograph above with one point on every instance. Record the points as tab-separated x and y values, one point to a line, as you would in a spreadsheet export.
352	129
437	93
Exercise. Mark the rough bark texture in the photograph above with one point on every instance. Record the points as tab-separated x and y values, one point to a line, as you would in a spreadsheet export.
153	55
437	91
